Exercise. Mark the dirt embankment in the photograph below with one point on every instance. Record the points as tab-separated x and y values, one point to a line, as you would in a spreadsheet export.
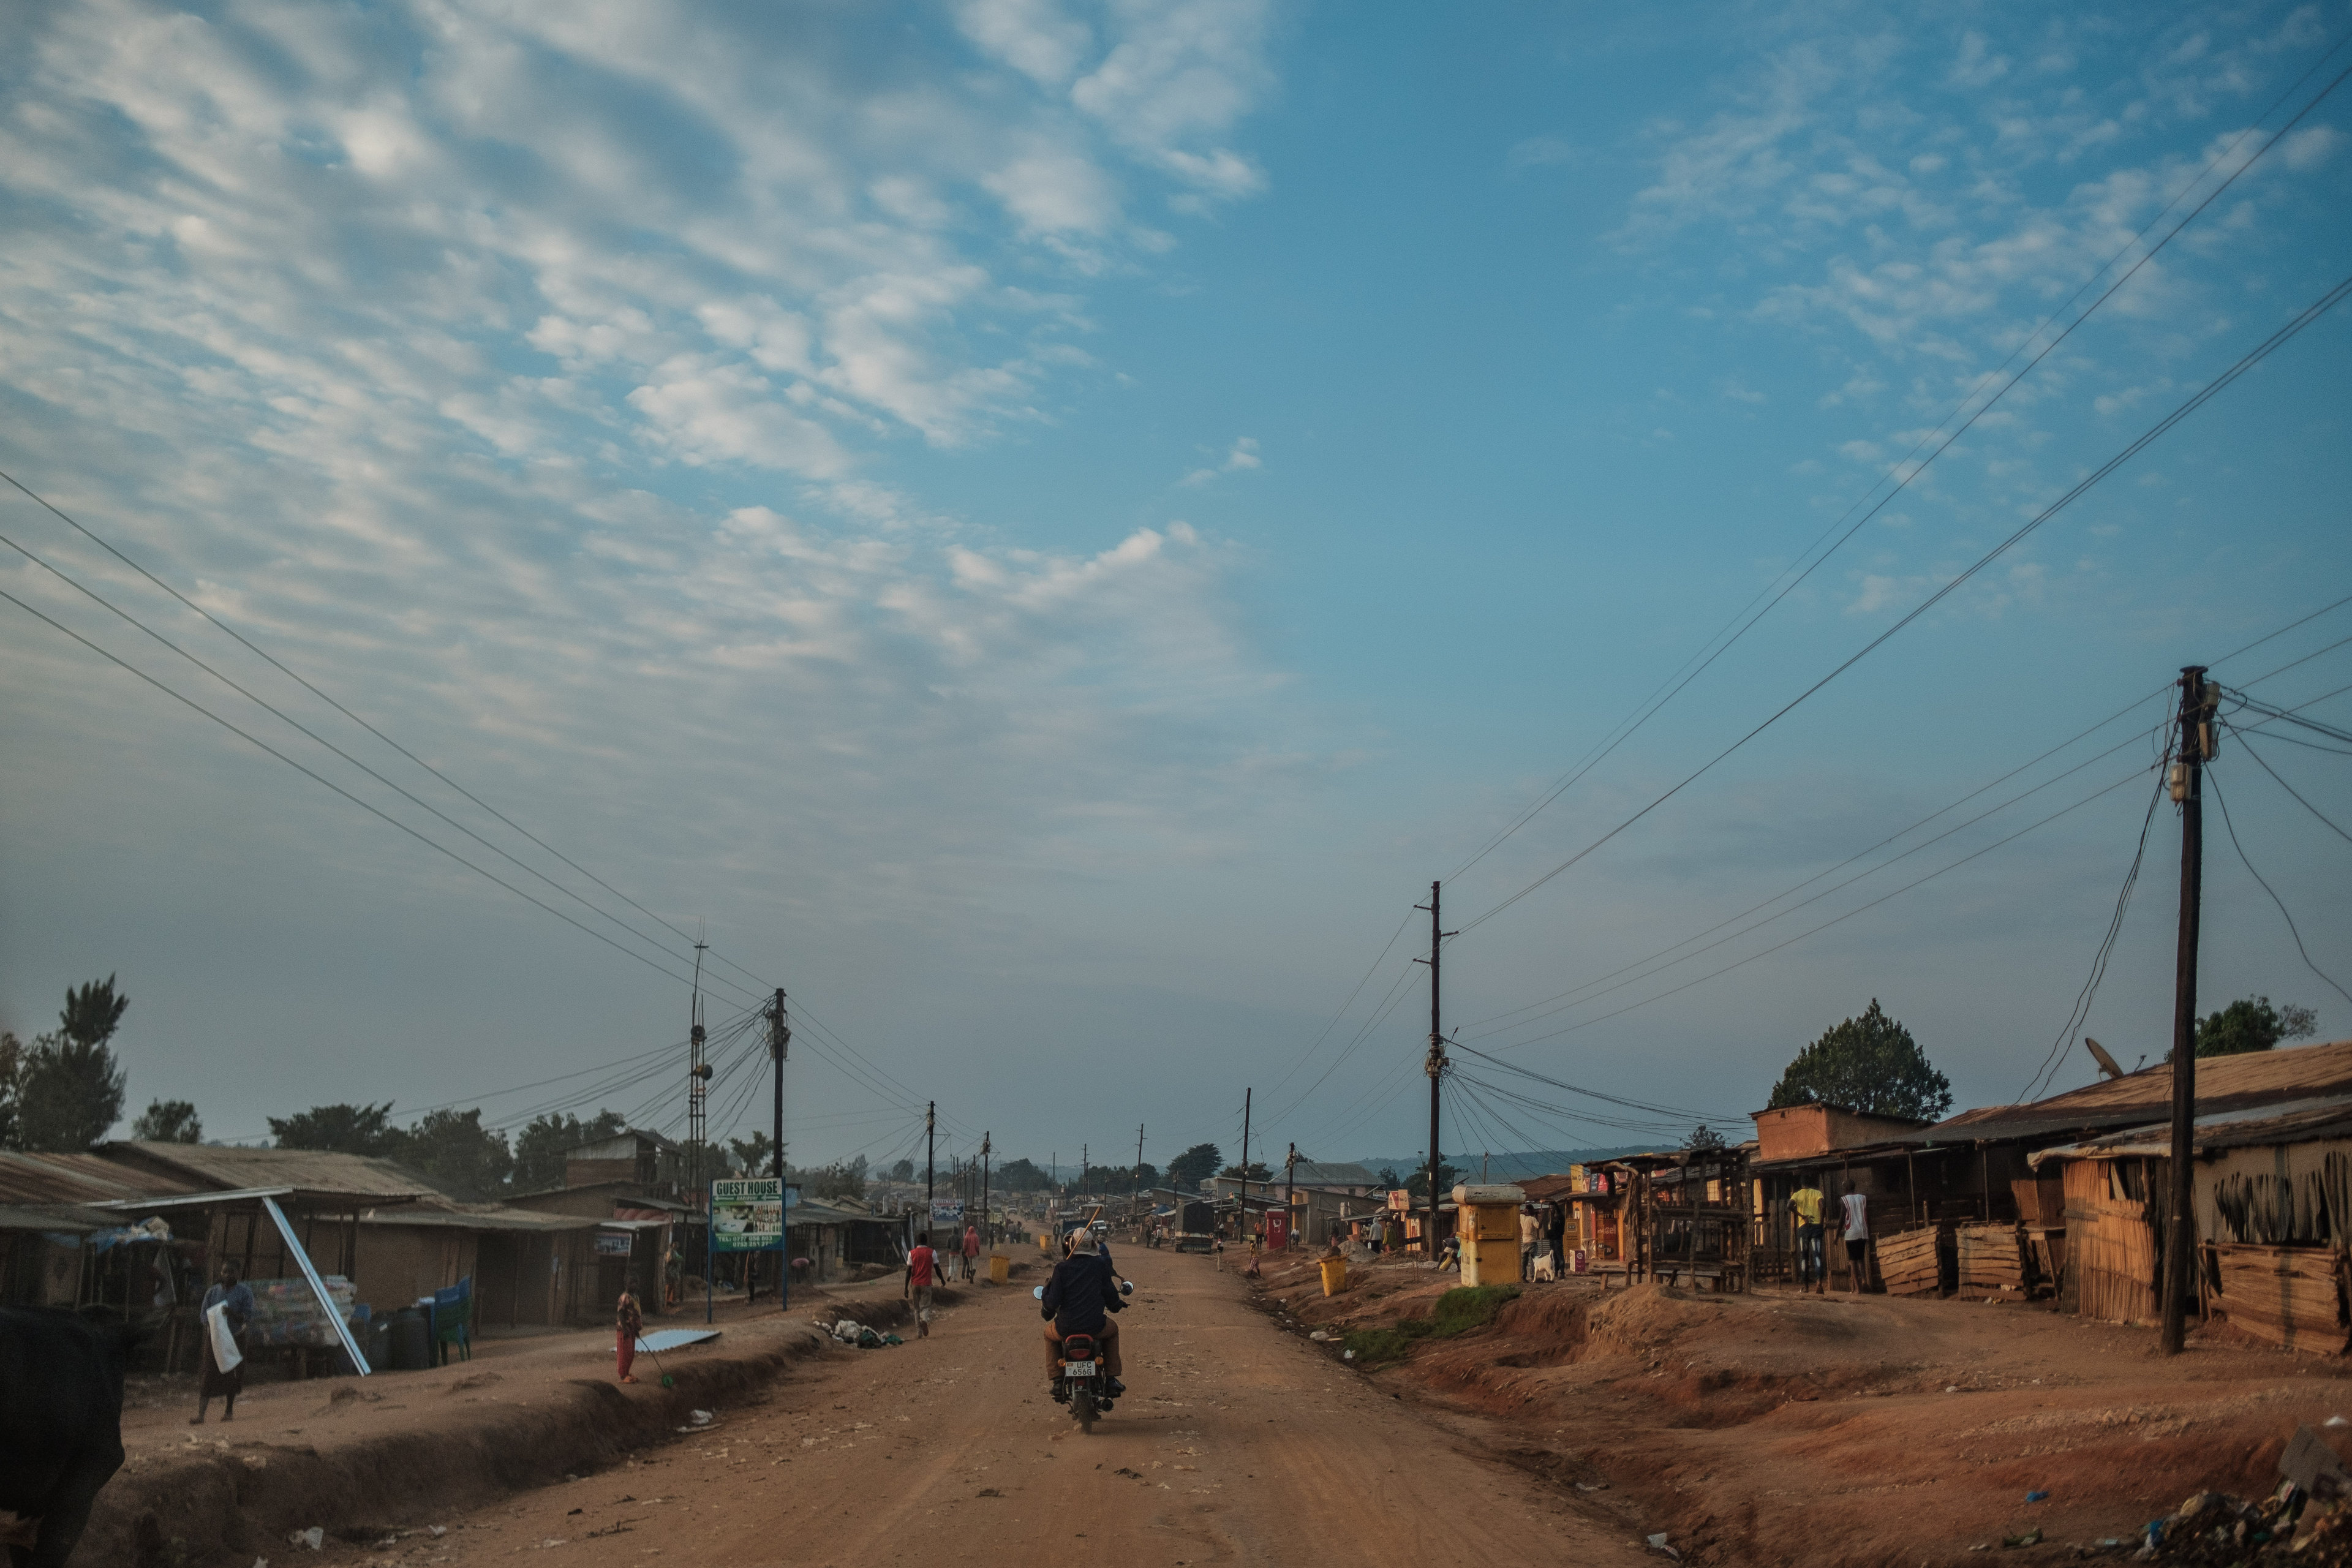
364	1459
1774	1427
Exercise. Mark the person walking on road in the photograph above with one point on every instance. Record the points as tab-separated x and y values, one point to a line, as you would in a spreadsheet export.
1805	1203
922	1273
971	1253
629	1327
235	1297
1857	1237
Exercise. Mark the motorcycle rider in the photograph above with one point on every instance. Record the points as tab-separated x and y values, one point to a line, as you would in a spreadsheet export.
1079	1299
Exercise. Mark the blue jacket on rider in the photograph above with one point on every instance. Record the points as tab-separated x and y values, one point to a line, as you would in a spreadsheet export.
1080	1295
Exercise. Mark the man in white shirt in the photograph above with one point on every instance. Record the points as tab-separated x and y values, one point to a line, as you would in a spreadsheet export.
1857	1237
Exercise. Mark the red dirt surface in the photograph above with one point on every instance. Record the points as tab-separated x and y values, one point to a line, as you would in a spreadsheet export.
1775	1428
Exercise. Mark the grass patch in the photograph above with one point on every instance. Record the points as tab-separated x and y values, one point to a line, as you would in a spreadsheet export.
1457	1312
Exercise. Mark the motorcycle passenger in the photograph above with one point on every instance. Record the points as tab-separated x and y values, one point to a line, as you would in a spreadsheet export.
1079	1299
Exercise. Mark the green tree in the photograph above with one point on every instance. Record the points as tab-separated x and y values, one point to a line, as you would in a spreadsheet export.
1389	1179
838	1179
69	1088
904	1171
341	1130
540	1147
1257	1172
1418	1183
168	1122
1012	1176
457	1154
1194	1166
755	1155
12	1067
2252	1024
1869	1064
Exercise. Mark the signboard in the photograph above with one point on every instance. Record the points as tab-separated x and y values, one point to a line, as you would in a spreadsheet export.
1400	1199
946	1214
747	1216
614	1246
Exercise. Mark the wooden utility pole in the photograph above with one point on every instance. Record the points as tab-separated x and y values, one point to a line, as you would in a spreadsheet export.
1436	1066
930	1160
1136	1202
2195	749
1290	1195
780	1039
987	1231
1245	1165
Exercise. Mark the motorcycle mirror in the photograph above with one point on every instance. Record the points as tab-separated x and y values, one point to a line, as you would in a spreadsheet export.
1038	1291
1126	1286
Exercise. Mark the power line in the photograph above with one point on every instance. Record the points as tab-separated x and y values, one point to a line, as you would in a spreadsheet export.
2290	789
1651	705
2302	951
2253	357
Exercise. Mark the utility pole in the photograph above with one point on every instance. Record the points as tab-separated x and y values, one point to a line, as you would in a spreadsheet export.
1085	1163
1245	1165
2195	750
698	1086
1436	1066
930	1162
780	1038
1136	1202
1290	1195
987	1231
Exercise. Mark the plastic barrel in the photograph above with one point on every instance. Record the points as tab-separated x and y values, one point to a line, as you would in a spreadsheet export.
1335	1275
1000	1268
410	1347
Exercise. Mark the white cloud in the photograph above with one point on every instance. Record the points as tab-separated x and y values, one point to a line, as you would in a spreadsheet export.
1240	457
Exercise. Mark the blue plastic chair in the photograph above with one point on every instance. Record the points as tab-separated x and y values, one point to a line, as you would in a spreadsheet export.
452	1320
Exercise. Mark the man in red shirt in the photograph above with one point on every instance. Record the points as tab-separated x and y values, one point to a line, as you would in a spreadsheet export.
922	1273
971	1253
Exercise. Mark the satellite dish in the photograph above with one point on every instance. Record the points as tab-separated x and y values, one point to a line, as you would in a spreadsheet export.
2099	1053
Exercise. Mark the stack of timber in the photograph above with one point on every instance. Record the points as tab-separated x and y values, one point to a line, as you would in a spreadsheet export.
1991	1263
2291	1295
1907	1263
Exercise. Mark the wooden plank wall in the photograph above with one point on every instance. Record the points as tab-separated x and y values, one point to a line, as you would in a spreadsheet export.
2110	1246
2290	1296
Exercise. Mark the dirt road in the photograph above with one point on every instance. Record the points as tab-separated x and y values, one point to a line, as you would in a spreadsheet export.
1237	1443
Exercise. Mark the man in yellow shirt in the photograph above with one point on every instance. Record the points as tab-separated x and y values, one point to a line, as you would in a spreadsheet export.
1806	1202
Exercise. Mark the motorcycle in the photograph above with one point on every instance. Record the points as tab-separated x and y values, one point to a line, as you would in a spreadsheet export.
1083	1382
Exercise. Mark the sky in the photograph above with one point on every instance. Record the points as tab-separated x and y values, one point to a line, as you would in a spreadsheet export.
1043	529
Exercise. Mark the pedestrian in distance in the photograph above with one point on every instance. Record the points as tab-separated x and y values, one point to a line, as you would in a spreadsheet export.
1530	1233
971	1253
235	1297
629	1327
1857	1237
922	1274
1813	1270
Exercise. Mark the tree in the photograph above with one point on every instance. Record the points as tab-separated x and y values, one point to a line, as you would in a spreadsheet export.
1194	1166
1012	1176
1389	1179
12	1067
1257	1172
1704	1140
1869	1064
1418	1183
340	1130
904	1171
2252	1024
540	1147
837	1179
69	1088
168	1122
755	1155
457	1154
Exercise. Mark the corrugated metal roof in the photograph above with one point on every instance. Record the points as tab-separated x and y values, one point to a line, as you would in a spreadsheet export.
79	1179
486	1218
2297	1122
211	1165
66	1218
2223	1084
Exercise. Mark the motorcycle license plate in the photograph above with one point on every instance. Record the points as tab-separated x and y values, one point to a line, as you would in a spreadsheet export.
1079	1368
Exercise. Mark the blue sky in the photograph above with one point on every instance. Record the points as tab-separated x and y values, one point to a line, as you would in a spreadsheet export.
1044	527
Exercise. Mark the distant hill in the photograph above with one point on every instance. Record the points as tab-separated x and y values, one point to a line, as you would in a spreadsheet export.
1509	1167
